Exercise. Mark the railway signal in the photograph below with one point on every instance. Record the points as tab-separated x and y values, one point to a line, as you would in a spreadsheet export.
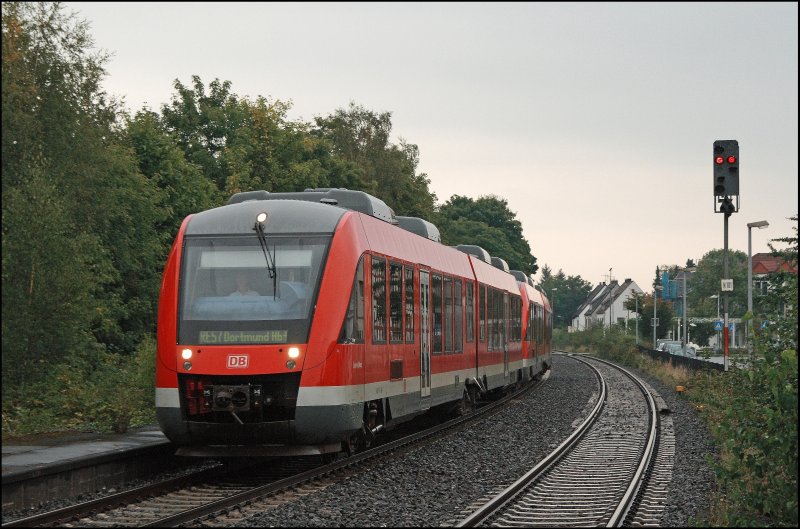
726	168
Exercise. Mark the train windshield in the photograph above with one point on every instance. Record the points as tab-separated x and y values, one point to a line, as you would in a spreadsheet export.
228	295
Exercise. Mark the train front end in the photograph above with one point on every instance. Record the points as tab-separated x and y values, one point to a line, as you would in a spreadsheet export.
236	312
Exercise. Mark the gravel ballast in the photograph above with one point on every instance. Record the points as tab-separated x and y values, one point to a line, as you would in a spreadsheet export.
434	485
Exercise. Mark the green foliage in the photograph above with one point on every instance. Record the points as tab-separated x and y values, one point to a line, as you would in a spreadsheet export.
567	293
705	282
488	223
361	137
101	392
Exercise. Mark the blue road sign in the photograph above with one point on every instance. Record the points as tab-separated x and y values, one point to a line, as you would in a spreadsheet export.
732	327
718	325
764	324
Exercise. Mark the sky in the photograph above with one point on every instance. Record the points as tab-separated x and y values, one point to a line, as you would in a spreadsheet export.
595	121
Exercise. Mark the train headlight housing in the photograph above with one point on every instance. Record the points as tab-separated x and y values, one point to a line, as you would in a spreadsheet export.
186	354
290	364
294	352
261	217
187	366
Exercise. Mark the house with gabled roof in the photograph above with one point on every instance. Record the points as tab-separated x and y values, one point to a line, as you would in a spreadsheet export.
605	305
579	316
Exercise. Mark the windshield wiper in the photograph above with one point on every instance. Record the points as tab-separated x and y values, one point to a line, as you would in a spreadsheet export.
272	269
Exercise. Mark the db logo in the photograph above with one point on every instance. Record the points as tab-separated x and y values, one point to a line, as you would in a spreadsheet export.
237	361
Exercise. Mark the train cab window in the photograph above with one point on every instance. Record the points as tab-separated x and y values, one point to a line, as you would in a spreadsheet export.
378	300
231	294
408	282
395	303
482	312
436	304
470	312
448	314
458	326
353	328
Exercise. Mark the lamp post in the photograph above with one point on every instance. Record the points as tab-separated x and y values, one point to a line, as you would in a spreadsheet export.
761	224
716	296
655	312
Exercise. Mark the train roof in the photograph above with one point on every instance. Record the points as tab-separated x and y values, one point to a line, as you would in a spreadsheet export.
322	210
343	198
283	217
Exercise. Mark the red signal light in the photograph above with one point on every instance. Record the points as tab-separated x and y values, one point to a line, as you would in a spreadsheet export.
719	160
731	159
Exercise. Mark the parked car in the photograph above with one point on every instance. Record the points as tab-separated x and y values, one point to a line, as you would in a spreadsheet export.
675	347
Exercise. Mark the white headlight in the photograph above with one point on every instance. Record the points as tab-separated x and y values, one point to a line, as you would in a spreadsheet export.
186	354
294	352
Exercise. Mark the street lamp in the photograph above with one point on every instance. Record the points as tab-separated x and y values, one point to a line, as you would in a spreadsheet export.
655	314
761	224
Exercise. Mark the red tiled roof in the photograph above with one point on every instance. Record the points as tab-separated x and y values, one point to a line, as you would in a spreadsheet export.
765	263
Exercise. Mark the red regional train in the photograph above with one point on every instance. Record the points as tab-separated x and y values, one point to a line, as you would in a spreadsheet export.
304	323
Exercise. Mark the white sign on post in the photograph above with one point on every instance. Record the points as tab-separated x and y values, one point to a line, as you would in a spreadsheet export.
726	285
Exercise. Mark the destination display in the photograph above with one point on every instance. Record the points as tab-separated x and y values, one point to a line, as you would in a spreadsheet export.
243	337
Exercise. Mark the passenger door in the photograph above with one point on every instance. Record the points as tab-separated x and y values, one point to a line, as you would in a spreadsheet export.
425	338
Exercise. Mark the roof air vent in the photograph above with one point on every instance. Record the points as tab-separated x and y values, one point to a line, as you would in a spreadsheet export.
248	195
477	251
500	263
420	227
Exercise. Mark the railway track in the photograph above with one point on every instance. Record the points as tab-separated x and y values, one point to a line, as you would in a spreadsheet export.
221	492
593	477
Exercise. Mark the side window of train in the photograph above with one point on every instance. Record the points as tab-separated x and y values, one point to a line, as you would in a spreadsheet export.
378	300
458	326
395	303
408	273
447	327
436	305
482	312
491	321
353	327
470	312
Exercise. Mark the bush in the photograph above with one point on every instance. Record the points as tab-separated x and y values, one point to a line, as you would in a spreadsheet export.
104	393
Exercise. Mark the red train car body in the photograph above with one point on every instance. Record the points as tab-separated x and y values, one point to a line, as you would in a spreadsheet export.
302	323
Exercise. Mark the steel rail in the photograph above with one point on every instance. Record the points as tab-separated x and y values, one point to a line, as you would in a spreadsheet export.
512	495
498	501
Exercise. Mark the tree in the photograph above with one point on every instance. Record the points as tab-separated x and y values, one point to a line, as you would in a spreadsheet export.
361	137
566	293
780	303
87	269
183	187
705	282
488	220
